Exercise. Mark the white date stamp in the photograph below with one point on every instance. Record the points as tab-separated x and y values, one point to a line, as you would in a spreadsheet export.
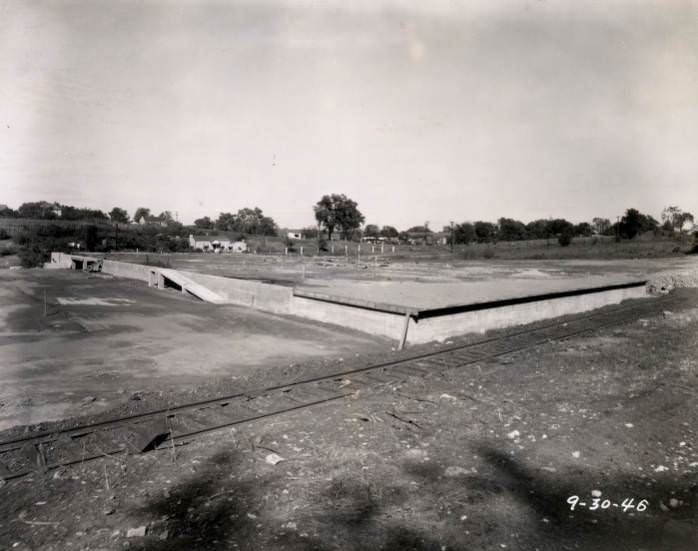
596	503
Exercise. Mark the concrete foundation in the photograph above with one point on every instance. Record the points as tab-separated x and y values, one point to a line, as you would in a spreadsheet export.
413	325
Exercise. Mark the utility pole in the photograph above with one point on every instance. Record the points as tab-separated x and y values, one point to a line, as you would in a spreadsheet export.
452	236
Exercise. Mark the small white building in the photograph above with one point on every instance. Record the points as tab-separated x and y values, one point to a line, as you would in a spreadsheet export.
294	235
217	245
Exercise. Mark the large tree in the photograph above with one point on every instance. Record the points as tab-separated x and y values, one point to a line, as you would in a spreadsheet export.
247	220
558	226
634	222
119	215
538	229
464	233
204	223
338	211
371	230
583	229
141	212
389	231
485	231
674	218
511	230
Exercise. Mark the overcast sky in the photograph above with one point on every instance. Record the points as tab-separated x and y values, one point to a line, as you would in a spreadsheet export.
426	110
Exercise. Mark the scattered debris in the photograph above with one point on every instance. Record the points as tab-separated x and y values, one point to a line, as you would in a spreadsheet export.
136	532
455	470
273	458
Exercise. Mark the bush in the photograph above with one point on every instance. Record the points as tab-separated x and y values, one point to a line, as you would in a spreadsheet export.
4	235
8	251
33	256
565	238
489	253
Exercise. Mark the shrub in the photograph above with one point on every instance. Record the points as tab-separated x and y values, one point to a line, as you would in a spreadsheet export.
565	238
8	251
33	256
4	235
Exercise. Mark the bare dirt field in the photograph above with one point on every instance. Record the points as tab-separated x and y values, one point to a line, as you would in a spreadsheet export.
484	457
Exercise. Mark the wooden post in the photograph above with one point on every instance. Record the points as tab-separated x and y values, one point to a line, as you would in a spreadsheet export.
405	327
301	251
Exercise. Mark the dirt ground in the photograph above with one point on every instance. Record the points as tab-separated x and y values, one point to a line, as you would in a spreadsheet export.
100	340
484	457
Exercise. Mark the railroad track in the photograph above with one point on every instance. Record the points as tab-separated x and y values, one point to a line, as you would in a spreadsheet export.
151	430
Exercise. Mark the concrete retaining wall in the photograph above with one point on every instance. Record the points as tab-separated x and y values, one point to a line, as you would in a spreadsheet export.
262	296
385	324
59	260
479	321
128	270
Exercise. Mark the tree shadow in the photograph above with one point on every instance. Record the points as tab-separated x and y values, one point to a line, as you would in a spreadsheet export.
659	527
212	511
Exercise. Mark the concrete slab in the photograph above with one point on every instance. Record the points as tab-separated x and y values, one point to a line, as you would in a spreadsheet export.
105	338
410	296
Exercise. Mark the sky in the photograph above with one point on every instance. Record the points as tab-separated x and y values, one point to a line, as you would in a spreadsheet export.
419	111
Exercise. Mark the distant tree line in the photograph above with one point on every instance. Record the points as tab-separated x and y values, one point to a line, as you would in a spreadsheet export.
43	210
631	224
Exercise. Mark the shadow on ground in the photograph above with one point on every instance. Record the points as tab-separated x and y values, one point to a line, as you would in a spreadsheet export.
215	510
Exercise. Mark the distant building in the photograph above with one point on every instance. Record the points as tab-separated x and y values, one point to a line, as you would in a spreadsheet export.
373	239
217	245
419	237
294	235
152	221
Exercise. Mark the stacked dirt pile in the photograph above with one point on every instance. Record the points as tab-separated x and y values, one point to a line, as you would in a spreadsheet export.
663	283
